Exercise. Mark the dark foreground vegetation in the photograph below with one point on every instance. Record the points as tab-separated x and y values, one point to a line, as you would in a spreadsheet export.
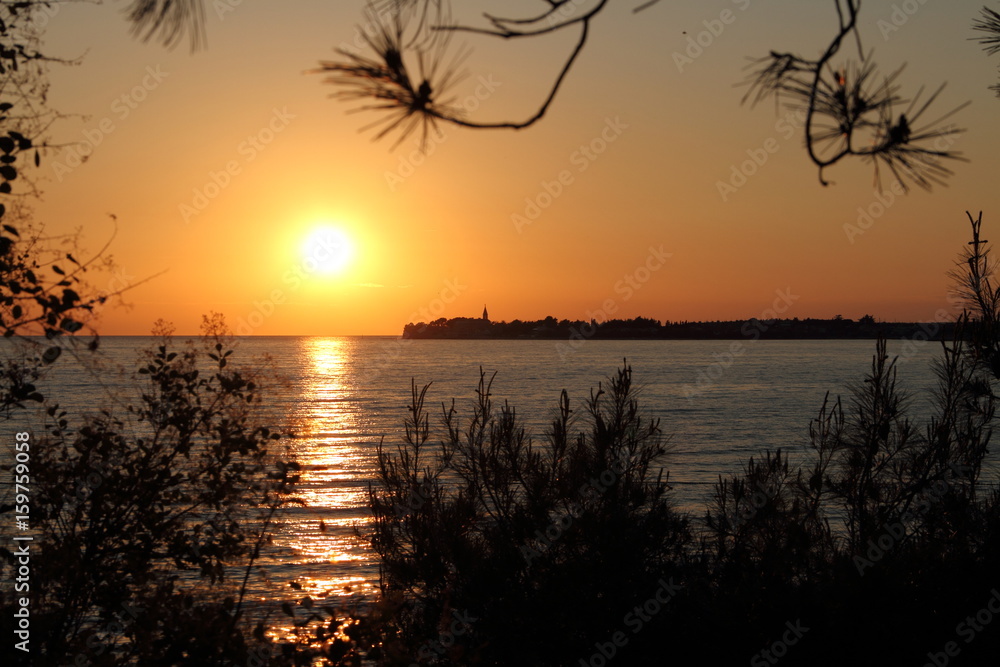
875	550
880	545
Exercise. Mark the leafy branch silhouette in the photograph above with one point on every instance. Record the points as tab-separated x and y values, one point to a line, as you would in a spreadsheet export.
168	21
386	77
989	24
851	111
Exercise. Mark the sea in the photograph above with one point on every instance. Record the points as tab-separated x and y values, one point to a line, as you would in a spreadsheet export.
719	403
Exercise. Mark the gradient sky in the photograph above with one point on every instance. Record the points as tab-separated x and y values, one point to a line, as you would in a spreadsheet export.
446	225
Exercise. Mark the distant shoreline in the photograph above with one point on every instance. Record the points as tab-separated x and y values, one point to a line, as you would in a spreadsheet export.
642	328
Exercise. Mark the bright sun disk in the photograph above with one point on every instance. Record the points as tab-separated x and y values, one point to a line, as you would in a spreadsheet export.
327	251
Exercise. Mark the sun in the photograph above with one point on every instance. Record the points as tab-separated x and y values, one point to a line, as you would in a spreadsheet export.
327	251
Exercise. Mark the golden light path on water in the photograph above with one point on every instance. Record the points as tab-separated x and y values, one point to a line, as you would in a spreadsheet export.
328	559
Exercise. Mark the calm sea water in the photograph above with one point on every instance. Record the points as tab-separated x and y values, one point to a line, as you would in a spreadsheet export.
718	404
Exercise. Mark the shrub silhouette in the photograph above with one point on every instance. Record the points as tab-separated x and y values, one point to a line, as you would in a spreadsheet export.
878	541
151	517
542	543
874	543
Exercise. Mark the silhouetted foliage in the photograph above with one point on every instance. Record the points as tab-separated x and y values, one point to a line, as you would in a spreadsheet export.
43	288
851	111
495	548
168	21
150	518
989	24
423	28
878	539
867	547
486	536
973	277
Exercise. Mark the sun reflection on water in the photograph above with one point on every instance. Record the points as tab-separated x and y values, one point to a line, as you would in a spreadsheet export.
327	555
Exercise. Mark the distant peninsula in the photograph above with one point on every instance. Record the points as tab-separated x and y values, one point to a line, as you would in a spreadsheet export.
644	328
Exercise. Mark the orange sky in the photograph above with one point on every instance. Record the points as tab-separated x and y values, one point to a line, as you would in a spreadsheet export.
219	165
